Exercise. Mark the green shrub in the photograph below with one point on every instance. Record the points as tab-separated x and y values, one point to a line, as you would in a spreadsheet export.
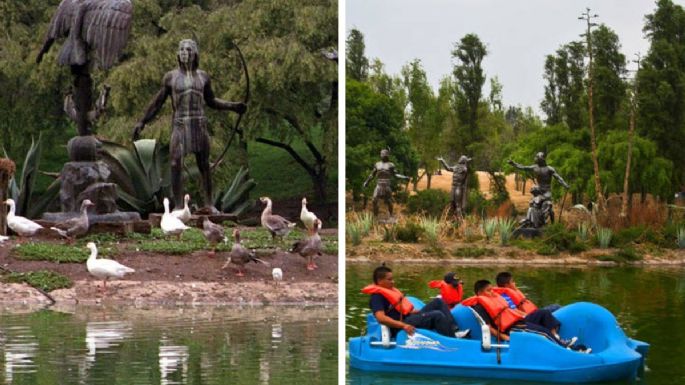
547	249
558	238
628	236
410	232
43	279
604	237
354	233
428	202
681	238
623	255
390	233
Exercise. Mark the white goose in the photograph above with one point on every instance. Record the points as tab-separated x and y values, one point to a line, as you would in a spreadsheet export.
307	217
183	213
104	268
277	274
20	225
170	224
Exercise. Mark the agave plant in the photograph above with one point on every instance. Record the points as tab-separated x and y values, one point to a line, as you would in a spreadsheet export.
584	231
142	176
506	230
604	237
21	186
489	227
235	199
431	229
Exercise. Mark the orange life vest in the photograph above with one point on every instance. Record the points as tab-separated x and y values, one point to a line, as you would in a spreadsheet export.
394	296
498	309
451	295
520	300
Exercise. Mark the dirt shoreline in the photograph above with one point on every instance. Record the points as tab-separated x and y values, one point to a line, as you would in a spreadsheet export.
571	261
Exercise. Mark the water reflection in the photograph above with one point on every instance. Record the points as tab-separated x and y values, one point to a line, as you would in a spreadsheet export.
172	359
20	348
211	345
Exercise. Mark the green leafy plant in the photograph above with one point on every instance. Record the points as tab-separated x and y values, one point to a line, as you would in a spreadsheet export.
472	252
583	231
604	237
43	279
680	236
390	233
142	176
354	233
236	199
490	227
409	232
21	187
506	230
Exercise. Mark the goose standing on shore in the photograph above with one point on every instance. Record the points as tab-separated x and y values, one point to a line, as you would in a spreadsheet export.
213	233
240	255
104	268
307	217
20	225
276	224
310	246
170	224
77	226
183	213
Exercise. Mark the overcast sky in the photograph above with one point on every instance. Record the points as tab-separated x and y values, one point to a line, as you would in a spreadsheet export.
518	35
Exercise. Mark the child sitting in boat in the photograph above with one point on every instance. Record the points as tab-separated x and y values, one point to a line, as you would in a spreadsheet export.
506	287
501	319
393	309
451	290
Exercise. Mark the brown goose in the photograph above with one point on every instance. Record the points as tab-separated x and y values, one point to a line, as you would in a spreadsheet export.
240	255
276	224
310	246
77	226
213	233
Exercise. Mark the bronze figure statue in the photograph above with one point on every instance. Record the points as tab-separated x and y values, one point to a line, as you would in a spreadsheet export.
190	88
542	197
384	171
459	184
94	29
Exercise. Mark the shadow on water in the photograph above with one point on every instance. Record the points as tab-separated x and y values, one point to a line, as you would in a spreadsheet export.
200	345
649	304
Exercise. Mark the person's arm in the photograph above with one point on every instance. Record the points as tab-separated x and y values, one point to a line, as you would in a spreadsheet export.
370	177
520	166
399	176
558	177
220	104
444	164
382	318
154	107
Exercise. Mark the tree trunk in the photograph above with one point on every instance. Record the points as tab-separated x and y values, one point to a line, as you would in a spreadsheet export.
593	141
624	204
429	176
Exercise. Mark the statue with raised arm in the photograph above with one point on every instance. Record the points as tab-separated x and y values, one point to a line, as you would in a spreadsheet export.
459	184
543	175
384	171
190	89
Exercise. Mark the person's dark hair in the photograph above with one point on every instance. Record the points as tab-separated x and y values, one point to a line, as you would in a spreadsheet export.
480	285
503	278
380	273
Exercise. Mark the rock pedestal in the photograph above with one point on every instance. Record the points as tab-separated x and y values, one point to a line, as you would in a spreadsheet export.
87	178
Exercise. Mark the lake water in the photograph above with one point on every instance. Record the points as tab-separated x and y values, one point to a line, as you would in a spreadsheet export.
649	303
201	345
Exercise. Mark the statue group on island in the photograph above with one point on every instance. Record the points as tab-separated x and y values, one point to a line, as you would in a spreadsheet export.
540	210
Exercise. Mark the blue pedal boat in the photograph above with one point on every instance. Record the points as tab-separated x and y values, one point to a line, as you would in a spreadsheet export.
526	356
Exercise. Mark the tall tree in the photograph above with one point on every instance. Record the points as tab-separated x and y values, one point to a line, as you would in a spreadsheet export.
564	90
661	80
590	89
423	122
356	64
609	68
469	52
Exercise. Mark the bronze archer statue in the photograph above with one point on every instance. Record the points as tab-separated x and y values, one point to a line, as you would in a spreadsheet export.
190	89
384	171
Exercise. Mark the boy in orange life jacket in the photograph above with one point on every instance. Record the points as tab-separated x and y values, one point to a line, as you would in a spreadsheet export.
496	312
393	309
506	287
451	289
